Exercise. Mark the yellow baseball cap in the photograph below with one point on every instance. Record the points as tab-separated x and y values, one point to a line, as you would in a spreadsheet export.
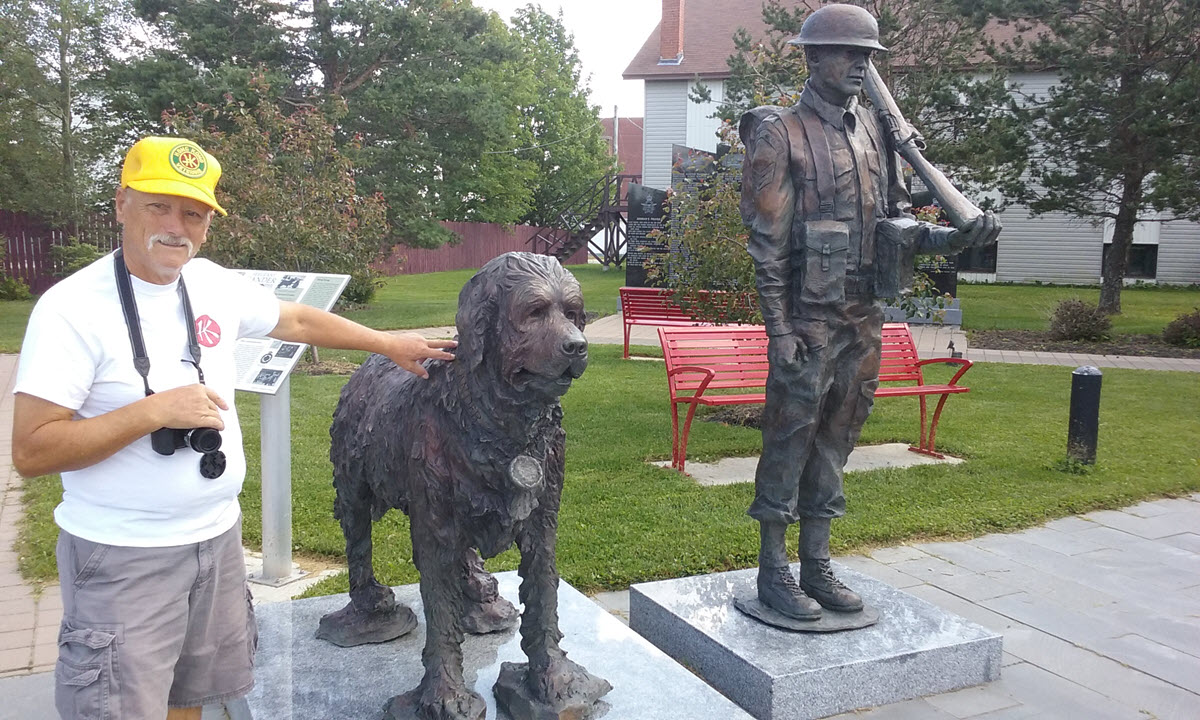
172	166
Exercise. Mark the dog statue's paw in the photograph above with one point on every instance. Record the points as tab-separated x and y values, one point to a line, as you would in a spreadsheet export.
437	702
489	617
350	626
566	691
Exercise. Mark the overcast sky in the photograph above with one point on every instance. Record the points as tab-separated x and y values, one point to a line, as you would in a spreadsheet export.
608	33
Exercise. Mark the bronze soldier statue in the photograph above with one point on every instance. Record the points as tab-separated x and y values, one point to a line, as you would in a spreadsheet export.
830	234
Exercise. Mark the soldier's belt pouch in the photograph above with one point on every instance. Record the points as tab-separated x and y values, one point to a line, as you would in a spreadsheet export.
826	245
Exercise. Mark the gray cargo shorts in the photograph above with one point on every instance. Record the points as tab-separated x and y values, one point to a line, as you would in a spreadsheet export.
145	629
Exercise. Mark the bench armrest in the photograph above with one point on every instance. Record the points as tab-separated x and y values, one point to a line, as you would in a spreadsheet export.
708	376
966	365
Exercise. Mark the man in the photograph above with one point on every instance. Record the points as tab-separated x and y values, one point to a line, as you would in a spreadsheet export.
819	187
156	613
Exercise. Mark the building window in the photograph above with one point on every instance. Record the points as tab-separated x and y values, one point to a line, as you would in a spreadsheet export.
978	259
1143	261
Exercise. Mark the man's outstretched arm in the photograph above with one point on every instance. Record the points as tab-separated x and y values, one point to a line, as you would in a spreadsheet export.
302	323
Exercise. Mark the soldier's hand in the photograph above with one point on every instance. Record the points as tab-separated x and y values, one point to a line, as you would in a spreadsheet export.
981	231
786	351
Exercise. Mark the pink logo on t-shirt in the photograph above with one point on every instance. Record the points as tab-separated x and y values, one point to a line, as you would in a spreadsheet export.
208	332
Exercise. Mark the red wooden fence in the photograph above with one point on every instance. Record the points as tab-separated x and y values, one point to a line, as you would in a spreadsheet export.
480	242
28	243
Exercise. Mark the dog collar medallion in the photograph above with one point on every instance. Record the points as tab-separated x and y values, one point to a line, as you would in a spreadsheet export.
525	472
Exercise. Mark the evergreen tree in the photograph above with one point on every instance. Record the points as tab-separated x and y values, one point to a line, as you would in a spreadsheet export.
940	69
1118	136
52	53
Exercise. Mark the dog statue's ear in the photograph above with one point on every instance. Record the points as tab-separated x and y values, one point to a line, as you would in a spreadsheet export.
475	318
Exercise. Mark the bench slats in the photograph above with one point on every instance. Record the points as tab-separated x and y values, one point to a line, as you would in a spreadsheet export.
735	358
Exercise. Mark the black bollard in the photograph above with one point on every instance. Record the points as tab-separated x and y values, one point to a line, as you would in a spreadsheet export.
1084	425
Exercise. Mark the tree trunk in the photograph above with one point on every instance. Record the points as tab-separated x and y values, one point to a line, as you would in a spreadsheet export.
1113	272
326	51
65	109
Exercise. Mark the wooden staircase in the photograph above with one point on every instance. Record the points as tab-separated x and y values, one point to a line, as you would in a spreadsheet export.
602	207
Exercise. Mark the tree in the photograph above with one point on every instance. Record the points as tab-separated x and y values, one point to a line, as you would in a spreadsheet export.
1117	137
562	129
52	51
968	118
431	93
291	192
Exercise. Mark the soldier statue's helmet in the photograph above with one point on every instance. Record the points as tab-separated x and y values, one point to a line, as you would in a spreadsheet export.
840	24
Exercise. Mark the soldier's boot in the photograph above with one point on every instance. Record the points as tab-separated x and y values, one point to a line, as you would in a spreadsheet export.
816	572
777	587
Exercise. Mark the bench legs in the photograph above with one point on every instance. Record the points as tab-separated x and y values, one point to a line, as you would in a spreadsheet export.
628	327
926	445
678	440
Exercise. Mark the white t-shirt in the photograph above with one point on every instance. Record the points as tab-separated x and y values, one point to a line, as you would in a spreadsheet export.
77	354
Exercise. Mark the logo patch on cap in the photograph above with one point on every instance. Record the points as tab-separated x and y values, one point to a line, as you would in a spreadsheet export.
188	160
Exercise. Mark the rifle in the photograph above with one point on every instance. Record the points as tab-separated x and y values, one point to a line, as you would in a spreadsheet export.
909	143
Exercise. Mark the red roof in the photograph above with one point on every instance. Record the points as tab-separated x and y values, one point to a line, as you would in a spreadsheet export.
708	39
708	27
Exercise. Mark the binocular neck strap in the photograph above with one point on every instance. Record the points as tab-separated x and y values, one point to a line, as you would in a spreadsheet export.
129	308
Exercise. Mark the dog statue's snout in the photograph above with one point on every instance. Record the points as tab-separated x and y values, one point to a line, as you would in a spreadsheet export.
575	346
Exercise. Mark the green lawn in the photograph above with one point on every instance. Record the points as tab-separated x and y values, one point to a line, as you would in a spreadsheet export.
430	300
404	301
14	315
1144	310
624	521
413	301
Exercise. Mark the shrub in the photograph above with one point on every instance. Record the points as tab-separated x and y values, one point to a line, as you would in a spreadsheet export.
361	288
12	288
1184	330
1075	319
74	256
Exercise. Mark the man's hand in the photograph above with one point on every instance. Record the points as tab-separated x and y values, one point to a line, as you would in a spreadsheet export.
408	350
981	231
786	351
187	407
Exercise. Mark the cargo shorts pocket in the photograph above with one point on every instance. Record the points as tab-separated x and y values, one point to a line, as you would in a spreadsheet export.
85	677
826	246
251	627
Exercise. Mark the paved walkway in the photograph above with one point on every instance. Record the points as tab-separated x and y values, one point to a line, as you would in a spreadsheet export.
932	341
1101	614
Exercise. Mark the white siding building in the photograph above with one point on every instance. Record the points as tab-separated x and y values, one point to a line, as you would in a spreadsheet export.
693	42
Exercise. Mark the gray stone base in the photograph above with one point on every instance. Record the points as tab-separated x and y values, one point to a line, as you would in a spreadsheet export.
915	649
953	315
301	678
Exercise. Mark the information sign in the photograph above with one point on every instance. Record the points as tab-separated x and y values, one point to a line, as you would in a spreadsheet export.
263	364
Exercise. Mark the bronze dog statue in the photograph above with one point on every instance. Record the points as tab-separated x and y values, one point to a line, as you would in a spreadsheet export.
474	457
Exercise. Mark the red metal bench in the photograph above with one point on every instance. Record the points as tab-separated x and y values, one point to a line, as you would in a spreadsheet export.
653	306
727	365
650	306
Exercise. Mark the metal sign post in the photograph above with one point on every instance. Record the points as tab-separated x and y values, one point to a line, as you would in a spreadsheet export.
264	366
276	428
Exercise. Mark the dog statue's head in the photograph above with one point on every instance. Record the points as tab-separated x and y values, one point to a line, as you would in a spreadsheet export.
521	316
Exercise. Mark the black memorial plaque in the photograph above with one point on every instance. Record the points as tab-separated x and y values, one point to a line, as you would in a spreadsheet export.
942	271
647	213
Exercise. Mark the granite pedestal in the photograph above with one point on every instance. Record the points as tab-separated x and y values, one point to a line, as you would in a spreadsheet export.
302	678
915	649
